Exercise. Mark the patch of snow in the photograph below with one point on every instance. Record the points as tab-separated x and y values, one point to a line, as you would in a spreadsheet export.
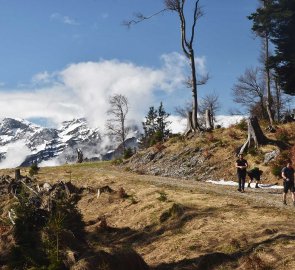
232	183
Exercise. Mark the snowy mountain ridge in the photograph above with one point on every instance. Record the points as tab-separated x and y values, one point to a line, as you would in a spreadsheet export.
22	142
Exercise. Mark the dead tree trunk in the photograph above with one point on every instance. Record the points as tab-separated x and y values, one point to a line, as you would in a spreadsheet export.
208	120
79	156
17	174
255	135
189	127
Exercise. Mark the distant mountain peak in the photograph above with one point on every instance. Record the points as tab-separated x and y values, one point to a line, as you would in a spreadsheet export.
47	143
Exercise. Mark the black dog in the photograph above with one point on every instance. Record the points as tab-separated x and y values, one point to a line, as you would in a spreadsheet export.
254	174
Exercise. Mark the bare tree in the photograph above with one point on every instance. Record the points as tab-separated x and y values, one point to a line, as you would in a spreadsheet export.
116	125
249	90
187	40
210	102
182	111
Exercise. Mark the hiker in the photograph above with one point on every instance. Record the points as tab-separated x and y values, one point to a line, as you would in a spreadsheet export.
288	178
254	174
241	165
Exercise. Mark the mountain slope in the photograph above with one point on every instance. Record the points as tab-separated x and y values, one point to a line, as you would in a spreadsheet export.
26	143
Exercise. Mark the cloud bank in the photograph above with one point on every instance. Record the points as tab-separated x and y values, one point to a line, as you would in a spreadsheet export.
83	89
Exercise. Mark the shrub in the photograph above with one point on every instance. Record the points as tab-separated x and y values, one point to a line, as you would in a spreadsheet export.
128	153
34	169
40	234
242	125
276	170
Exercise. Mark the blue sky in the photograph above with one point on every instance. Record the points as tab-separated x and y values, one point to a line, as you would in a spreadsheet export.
62	58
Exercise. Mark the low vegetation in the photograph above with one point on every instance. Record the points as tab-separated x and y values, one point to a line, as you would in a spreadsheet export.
162	222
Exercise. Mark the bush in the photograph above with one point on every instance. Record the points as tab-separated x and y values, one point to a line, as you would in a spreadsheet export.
128	153
242	125
34	169
40	235
276	170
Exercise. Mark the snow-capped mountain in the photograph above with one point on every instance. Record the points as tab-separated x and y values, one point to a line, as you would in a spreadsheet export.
22	142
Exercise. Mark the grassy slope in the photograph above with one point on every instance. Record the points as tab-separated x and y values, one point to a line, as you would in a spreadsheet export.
202	222
180	224
216	150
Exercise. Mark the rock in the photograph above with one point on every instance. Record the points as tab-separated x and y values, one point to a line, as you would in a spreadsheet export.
270	156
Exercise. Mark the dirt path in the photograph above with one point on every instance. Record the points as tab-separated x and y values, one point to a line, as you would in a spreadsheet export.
262	197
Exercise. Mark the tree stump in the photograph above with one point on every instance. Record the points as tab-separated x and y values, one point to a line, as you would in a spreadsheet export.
17	174
255	135
189	127
208	120
79	156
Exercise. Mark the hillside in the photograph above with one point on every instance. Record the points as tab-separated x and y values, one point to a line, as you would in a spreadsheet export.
177	224
174	222
212	155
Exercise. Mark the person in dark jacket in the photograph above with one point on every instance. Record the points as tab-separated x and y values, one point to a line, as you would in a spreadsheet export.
288	178
254	174
241	165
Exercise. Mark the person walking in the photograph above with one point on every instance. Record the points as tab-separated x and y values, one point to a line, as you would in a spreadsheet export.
288	178
241	165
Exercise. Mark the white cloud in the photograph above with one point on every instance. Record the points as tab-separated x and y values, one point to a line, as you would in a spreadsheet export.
41	78
177	124
15	154
201	65
228	120
63	19
82	90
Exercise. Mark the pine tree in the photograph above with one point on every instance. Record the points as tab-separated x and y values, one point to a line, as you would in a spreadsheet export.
149	126
162	132
276	21
283	37
262	26
155	126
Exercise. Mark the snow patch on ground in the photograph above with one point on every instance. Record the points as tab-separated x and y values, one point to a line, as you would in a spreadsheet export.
232	183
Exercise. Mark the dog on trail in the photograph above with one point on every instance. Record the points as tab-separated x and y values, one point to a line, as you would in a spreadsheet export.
254	175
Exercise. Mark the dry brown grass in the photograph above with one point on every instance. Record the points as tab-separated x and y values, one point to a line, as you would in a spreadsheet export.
201	228
190	228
